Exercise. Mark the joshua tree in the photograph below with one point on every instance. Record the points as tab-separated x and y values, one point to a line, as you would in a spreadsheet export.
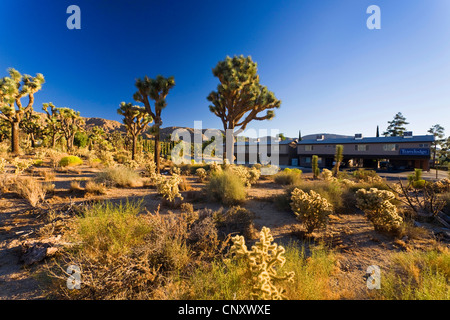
52	125
71	123
31	125
240	98
338	157
136	120
156	90
438	132
315	166
12	90
396	126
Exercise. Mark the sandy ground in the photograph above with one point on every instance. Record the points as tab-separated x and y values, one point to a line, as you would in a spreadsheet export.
357	245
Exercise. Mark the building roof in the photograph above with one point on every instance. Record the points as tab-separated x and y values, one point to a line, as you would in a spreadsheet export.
423	138
268	141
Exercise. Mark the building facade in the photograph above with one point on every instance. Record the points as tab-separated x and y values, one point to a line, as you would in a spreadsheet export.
398	153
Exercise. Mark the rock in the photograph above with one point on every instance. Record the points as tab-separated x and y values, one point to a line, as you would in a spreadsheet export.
33	252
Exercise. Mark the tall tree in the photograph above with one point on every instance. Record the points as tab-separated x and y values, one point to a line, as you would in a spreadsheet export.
32	126
438	132
70	123
239	97
396	126
135	120
378	131
52	126
12	90
299	135
156	90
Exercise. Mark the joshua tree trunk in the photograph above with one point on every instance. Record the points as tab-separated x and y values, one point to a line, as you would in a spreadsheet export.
15	146
133	147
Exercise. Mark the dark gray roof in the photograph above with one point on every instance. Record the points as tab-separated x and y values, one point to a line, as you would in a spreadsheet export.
424	138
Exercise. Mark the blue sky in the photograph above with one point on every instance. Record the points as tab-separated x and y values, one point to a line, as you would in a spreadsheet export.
332	73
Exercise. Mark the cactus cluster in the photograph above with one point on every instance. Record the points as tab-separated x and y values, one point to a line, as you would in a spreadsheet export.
263	260
201	174
21	164
327	175
168	186
215	168
3	163
311	208
378	208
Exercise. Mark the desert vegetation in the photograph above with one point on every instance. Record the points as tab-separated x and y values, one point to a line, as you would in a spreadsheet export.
138	225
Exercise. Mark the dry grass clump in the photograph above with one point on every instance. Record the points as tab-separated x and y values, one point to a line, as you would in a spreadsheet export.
31	190
48	175
226	187
121	177
417	275
94	188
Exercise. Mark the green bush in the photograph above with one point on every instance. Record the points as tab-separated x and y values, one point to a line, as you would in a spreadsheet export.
226	187
288	177
419	184
70	161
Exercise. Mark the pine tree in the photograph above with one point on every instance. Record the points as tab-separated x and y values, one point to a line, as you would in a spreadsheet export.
156	90
135	120
240	98
438	132
12	90
378	131
396	127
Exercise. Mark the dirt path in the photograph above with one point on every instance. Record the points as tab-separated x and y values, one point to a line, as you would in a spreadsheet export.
16	224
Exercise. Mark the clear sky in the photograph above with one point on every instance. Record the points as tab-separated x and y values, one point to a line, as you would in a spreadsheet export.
331	72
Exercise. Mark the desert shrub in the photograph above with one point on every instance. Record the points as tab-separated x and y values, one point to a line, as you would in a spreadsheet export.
364	174
203	236
95	162
288	177
95	188
187	207
418	184
175	170
21	164
36	163
110	229
3	164
441	186
107	158
226	187
168	187
242	173
184	185
201	174
310	208
236	219
31	190
446	198
327	175
75	186
378	208
262	261
417	275
70	161
120	176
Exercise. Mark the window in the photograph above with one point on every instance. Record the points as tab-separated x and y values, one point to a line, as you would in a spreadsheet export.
309	148
423	145
307	160
361	147
390	147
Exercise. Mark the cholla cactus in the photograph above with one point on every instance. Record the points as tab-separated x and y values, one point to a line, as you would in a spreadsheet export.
3	163
21	165
254	173
327	175
347	182
242	173
168	186
440	186
263	259
132	164
378	208
215	168
201	174
176	170
150	169
310	208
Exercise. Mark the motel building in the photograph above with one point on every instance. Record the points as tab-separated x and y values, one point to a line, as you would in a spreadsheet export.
391	153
